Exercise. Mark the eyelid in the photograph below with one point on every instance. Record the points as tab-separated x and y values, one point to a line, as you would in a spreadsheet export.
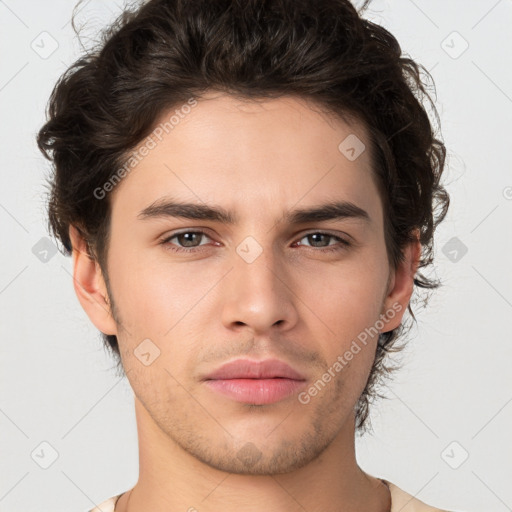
325	232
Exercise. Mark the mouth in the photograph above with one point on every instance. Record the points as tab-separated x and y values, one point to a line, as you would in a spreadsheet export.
256	382
256	391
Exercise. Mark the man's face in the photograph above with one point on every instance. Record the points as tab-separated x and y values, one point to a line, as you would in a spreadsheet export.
259	288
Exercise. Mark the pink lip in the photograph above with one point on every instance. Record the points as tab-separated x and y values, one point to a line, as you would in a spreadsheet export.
255	382
247	369
256	391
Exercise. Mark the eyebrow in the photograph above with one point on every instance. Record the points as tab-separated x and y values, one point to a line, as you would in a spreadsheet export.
333	210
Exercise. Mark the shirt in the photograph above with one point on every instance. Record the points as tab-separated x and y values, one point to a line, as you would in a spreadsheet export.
400	502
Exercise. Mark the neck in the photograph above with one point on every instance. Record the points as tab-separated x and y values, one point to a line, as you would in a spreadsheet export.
171	479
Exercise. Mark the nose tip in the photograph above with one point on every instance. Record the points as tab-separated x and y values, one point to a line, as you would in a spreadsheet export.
256	295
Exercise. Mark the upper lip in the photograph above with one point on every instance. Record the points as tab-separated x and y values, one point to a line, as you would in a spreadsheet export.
247	369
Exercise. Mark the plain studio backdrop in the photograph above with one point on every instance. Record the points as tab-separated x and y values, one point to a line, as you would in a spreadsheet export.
67	425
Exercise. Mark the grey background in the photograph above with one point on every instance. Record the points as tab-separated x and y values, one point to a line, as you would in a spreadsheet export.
452	399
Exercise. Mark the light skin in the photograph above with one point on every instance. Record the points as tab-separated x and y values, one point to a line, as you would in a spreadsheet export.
202	308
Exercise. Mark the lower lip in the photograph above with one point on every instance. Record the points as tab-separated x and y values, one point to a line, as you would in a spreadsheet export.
256	391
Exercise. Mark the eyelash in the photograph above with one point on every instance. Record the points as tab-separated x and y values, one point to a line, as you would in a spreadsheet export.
344	243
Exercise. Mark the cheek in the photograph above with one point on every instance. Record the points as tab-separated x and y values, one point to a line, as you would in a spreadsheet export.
347	297
154	297
346	334
348	300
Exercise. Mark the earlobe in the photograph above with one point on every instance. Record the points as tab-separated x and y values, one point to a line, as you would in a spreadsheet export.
89	284
401	286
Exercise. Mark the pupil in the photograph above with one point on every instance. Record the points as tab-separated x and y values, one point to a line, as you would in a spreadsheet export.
188	238
317	236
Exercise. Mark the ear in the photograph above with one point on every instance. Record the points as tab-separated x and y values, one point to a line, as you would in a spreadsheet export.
89	285
401	285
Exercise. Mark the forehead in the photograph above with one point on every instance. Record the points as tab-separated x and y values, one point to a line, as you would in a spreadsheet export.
253	154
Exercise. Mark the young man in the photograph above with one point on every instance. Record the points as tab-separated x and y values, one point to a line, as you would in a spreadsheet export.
247	188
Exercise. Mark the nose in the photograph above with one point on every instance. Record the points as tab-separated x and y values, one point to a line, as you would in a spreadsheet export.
258	293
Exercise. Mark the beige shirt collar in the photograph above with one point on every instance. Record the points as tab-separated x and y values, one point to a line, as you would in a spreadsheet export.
400	502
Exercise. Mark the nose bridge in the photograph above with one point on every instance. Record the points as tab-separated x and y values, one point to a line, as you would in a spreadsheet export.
258	295
256	265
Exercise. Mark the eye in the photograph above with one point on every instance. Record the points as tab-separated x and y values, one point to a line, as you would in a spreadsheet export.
187	241
317	236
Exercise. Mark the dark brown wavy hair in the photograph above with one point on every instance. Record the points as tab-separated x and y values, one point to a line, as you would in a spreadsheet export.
162	53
